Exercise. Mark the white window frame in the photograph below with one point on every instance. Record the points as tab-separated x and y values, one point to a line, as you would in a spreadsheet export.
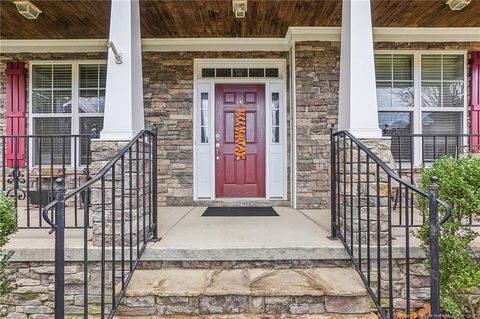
417	108
74	115
272	190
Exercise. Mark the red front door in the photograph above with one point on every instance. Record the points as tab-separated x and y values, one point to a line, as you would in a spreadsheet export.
240	178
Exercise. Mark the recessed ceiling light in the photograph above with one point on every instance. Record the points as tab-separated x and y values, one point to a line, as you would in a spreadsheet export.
458	4
239	8
27	9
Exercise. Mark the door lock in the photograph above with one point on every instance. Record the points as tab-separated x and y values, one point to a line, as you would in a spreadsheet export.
217	151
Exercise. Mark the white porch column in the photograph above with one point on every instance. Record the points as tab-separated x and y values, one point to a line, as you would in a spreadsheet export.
124	92
358	111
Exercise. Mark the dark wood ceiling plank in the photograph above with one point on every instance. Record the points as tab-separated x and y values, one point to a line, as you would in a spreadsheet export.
84	19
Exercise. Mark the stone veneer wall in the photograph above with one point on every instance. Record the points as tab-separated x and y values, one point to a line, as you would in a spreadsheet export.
317	67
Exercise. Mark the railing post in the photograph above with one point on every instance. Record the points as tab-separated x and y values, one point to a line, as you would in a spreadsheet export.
154	182
60	250
333	183
434	249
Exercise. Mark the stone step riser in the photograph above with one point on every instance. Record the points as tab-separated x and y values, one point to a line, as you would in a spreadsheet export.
238	304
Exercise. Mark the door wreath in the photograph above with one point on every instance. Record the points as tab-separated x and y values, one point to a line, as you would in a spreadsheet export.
240	129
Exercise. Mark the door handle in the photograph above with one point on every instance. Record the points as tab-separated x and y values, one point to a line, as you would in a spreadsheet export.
217	151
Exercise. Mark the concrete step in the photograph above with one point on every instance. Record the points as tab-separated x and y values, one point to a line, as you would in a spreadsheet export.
246	293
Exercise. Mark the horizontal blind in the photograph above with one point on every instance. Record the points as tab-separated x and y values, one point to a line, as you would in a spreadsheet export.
441	124
54	145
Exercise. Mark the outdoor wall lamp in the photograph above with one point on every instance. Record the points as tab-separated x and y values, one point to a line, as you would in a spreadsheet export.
118	55
239	8
458	4
27	9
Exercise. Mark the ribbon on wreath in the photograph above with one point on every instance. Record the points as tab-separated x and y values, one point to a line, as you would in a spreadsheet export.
240	130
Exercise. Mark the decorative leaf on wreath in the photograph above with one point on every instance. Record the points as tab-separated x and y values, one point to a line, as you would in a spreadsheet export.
240	129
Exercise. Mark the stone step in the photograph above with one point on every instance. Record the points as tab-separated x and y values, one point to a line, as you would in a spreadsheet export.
258	316
250	291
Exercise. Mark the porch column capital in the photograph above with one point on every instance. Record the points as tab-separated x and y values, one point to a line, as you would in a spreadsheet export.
124	114
358	111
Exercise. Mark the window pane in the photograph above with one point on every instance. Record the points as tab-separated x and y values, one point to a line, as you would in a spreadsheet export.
226	73
204	119
383	67
88	101
402	67
275	134
103	75
62	101
62	76
275	117
42	101
239	73
440	124
399	123
56	145
256	73
402	94
208	73
271	73
453	67
101	100
42	77
431	67
384	94
86	125
89	76
453	94
431	94
204	113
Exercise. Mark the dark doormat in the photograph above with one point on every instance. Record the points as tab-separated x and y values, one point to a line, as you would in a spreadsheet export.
239	211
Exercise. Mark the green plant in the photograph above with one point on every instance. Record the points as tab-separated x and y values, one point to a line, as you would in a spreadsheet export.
459	182
8	225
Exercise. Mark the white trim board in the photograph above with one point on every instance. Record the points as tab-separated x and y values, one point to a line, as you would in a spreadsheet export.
294	34
203	155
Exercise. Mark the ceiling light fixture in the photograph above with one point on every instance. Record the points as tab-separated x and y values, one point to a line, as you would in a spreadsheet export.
458	4
27	9
239	8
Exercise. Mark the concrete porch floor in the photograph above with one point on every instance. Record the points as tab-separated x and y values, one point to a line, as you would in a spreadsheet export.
185	235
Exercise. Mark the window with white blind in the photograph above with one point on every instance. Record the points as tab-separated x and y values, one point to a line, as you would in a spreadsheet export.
65	99
421	93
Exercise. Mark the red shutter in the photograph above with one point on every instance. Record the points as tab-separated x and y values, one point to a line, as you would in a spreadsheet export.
475	99
15	112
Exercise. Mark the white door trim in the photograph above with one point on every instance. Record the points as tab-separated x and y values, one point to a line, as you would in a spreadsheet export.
201	85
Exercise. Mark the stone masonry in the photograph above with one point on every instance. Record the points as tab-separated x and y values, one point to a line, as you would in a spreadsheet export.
108	211
362	192
34	299
317	67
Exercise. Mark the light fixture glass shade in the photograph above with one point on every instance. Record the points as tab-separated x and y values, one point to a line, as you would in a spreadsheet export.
458	4
27	9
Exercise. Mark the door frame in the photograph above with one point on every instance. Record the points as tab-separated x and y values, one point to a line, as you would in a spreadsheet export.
207	85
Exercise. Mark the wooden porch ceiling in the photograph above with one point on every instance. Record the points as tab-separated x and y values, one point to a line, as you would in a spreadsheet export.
89	19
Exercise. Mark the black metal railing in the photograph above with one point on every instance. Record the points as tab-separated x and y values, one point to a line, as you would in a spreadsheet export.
30	164
120	203
411	152
378	237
